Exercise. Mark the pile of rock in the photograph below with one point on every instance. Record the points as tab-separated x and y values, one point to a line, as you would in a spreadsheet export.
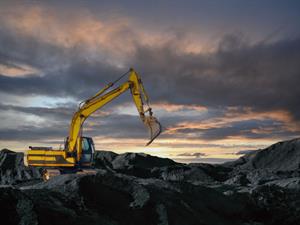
133	188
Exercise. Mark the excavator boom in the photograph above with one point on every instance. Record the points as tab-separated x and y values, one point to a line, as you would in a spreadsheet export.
93	104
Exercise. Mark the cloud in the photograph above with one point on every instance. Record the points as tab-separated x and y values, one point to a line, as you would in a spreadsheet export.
32	133
245	152
17	70
59	113
69	28
54	123
238	122
195	154
252	129
260	77
178	107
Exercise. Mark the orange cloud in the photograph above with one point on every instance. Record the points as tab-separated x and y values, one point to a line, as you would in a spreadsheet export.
70	30
19	70
112	39
235	114
177	107
247	113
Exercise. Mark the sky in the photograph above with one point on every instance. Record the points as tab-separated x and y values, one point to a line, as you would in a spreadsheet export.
223	76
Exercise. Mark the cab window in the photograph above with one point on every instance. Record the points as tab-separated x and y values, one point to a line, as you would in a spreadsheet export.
85	145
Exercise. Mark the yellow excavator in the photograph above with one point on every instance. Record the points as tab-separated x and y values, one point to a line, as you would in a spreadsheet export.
78	153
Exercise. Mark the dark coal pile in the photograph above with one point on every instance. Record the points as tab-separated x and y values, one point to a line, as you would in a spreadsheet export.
12	169
136	188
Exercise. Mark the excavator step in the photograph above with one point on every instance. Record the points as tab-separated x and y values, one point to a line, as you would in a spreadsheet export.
49	173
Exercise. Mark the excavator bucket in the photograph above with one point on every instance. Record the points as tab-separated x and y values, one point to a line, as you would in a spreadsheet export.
154	128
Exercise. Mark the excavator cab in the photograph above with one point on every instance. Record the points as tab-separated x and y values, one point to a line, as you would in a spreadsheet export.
88	151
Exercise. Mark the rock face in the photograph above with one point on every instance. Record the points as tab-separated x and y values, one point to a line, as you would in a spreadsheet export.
134	188
271	165
12	169
282	156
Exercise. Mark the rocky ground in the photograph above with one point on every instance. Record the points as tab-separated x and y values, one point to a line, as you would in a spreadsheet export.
262	187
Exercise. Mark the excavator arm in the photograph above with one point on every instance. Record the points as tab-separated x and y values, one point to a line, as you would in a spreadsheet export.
134	84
